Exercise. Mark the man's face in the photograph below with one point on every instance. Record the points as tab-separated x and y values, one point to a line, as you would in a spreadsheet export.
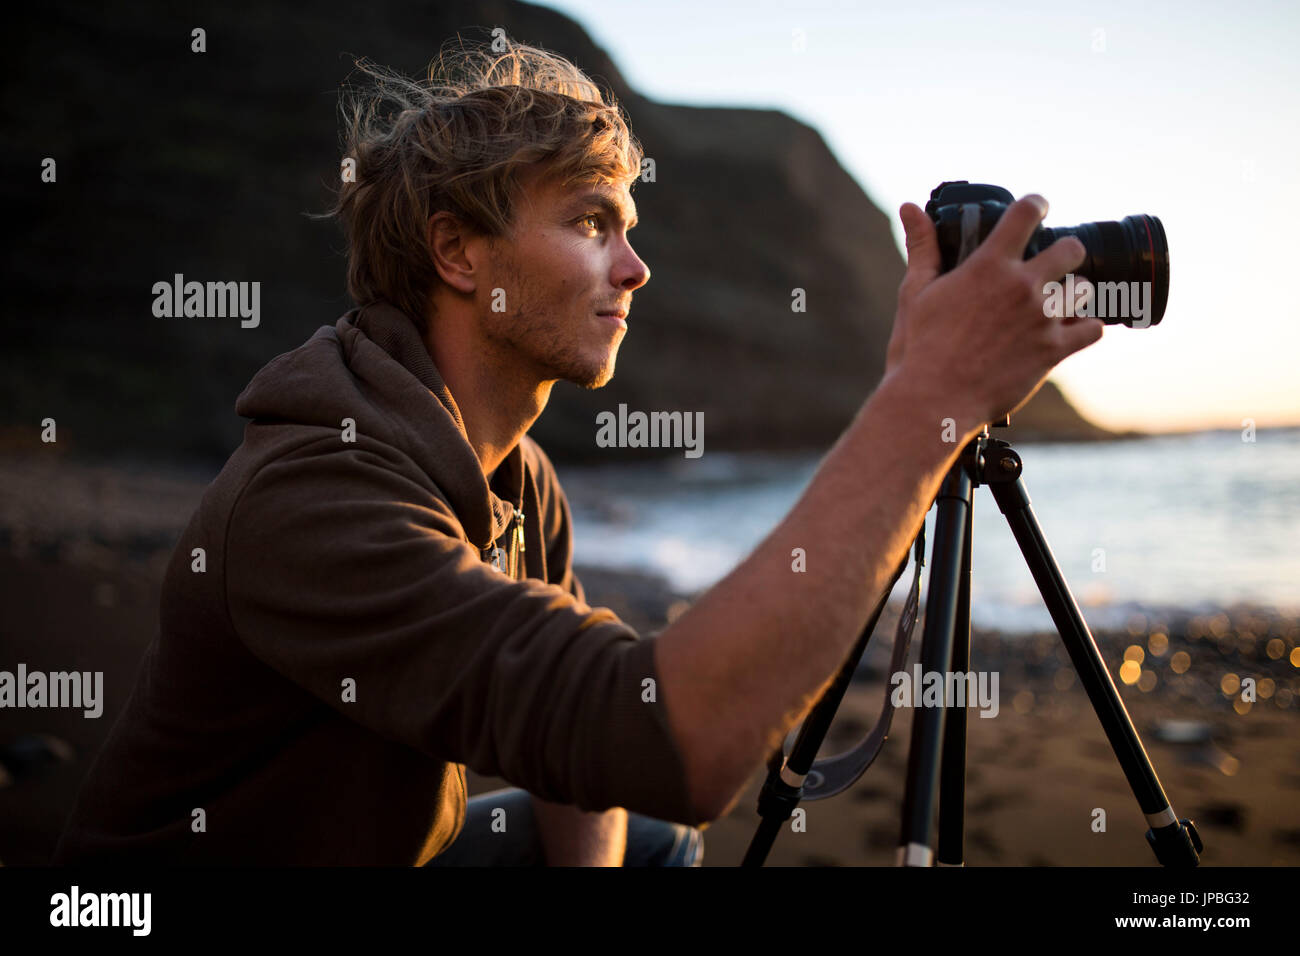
566	261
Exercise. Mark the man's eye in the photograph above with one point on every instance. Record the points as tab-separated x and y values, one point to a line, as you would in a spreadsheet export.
592	217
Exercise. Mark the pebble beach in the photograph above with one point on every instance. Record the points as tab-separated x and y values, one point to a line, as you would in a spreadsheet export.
1214	697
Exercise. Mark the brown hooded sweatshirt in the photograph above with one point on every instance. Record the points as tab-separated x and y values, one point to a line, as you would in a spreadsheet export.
334	648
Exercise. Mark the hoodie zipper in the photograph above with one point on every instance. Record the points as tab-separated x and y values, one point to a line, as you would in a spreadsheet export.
517	544
517	538
517	548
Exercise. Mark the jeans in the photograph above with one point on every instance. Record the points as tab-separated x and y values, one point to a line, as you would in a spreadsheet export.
650	842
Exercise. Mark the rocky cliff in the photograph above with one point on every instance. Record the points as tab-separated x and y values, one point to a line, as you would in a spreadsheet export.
171	161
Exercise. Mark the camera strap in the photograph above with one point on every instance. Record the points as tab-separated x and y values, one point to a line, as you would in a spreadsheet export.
970	231
831	775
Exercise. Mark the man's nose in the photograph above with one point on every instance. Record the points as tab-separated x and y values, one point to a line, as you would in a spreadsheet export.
632	270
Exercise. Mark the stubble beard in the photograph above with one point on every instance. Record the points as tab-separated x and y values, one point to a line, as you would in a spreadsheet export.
535	338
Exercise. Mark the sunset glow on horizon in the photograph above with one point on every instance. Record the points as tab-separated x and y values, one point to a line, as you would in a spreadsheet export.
1188	112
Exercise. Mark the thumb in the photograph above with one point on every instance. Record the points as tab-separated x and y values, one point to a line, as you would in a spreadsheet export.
923	258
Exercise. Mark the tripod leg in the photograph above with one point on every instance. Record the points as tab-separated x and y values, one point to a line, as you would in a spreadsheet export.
941	606
1176	843
952	779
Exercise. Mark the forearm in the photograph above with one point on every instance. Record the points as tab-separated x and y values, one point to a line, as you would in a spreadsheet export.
572	837
748	660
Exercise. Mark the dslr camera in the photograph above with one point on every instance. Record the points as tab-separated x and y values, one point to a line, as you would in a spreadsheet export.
1127	261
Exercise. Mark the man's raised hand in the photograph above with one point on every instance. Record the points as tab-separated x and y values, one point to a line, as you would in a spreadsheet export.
979	337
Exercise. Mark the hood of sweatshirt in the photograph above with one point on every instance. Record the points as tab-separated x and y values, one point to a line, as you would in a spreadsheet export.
372	372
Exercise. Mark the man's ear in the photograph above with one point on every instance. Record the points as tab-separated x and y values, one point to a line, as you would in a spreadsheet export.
454	251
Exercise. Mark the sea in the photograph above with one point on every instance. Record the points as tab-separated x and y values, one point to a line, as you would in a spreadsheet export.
1191	522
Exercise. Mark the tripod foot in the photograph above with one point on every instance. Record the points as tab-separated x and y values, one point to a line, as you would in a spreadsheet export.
914	854
1177	844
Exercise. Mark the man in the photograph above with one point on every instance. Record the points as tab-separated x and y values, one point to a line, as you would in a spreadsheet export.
376	591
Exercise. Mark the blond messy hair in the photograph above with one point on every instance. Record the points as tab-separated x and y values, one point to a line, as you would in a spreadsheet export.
459	142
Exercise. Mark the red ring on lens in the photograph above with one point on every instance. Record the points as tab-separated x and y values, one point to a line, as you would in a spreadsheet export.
1151	247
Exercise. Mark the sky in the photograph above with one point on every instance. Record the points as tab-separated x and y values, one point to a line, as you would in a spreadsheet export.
1186	111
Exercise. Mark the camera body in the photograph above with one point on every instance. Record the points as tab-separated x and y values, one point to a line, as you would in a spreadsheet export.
1127	261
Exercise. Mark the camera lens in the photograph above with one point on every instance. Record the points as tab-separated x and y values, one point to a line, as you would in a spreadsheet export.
1133	250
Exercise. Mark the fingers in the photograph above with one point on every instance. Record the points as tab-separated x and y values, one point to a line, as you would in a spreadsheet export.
1070	299
924	260
1064	255
1079	334
1010	236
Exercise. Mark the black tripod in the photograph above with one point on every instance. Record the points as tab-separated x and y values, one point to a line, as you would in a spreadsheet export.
938	747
